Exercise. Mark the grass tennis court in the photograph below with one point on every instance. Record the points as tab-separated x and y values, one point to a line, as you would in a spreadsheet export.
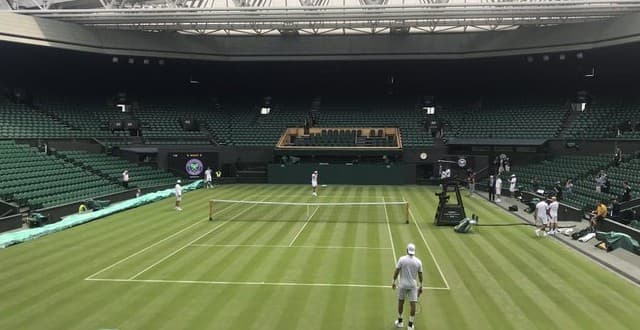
273	266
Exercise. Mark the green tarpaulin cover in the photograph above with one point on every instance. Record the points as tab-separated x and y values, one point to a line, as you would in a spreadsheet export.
11	238
616	240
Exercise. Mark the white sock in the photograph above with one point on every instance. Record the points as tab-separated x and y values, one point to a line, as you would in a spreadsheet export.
411	319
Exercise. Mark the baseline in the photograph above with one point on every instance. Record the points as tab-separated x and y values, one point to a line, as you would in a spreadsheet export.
330	285
293	246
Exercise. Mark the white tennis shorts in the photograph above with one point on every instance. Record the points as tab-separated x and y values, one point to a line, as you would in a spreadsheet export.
410	294
543	220
314	184
553	219
178	198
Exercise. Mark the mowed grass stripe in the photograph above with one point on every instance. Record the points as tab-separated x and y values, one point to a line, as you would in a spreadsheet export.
566	266
541	260
61	273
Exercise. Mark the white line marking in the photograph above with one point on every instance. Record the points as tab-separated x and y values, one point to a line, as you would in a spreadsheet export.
150	246
193	241
429	249
295	246
330	285
386	215
303	226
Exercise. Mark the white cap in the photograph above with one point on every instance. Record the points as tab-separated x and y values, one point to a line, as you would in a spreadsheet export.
512	175
316	172
411	249
178	181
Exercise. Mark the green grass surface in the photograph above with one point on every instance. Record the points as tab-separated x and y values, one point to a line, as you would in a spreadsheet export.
156	268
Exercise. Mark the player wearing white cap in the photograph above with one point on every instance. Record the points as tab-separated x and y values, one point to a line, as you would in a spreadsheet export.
178	191
409	268
314	183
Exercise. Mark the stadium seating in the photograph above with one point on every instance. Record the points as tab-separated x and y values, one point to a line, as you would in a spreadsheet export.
31	178
112	168
504	119
602	118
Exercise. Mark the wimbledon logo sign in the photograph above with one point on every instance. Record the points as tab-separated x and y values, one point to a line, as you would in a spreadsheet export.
194	167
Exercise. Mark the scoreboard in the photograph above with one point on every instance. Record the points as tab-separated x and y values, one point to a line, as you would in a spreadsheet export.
192	164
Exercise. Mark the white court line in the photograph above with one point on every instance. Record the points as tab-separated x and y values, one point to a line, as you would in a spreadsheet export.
305	224
295	246
429	249
329	285
195	240
150	246
395	258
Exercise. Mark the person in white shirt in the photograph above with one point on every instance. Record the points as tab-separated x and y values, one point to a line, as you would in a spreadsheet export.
541	217
208	178
553	215
498	189
314	183
178	192
125	178
409	286
512	185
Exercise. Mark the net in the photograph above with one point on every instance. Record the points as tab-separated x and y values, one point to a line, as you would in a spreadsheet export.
372	212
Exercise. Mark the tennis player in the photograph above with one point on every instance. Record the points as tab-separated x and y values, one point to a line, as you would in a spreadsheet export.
409	267
207	178
541	217
314	183
553	215
178	195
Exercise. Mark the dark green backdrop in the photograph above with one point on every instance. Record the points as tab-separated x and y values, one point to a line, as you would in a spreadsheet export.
343	174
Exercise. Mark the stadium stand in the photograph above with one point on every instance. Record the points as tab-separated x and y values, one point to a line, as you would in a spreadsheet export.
504	118
54	182
112	168
607	117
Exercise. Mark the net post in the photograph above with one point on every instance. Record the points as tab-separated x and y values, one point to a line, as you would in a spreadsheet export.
407	212
210	210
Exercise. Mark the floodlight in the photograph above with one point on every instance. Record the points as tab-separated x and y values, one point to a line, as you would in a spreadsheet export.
115	60
131	60
145	61
265	110
562	57
580	55
545	58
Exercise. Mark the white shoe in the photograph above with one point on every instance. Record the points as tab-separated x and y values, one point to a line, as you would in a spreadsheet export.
314	194
179	208
399	324
410	327
498	200
538	232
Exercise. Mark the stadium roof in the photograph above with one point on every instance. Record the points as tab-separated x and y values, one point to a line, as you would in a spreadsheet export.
319	17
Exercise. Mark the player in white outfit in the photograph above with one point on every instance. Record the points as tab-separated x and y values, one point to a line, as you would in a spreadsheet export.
553	215
314	183
207	178
541	217
178	191
409	286
498	189
512	185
